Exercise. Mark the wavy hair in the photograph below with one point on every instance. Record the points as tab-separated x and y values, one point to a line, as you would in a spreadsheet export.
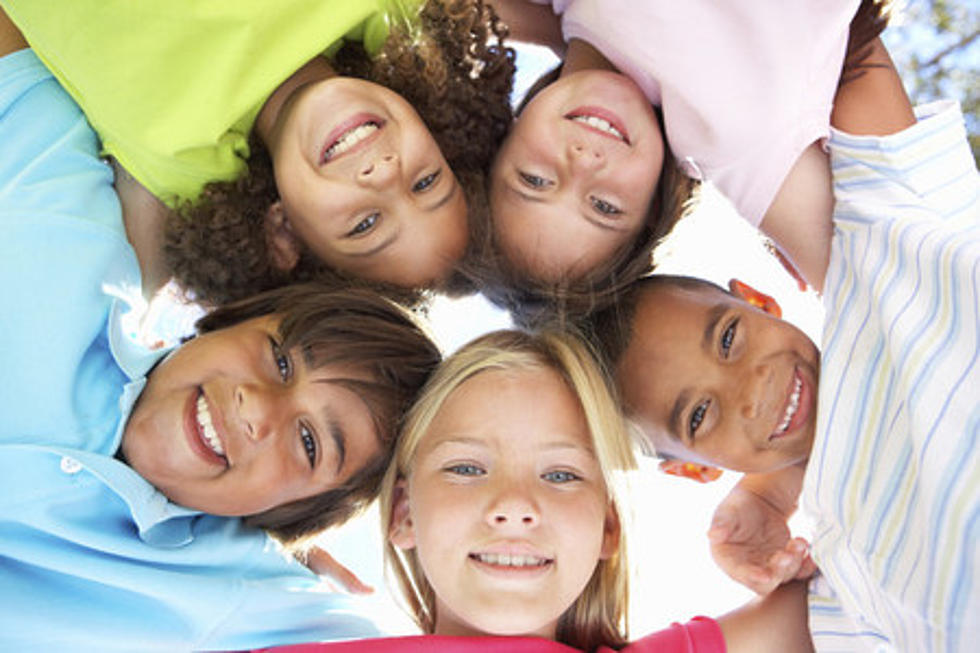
450	65
599	614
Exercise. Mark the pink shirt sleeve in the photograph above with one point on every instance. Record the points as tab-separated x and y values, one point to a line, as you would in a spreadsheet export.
745	86
699	635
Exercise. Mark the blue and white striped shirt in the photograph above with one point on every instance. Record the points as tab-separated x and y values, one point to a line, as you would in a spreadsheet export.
893	482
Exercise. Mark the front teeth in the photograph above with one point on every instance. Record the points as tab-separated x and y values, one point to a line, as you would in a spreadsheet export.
350	138
505	560
794	403
207	428
601	125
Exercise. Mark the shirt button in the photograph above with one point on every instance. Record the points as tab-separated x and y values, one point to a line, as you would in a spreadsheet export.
70	465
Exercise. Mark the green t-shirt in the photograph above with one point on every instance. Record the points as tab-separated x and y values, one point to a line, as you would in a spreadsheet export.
173	87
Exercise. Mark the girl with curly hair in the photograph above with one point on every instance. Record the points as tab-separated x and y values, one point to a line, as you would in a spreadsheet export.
293	139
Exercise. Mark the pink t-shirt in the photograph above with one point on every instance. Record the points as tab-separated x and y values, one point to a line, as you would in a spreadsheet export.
699	635
745	85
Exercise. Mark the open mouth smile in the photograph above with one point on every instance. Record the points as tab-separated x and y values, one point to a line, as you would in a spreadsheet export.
601	121
515	561
202	433
358	131
792	407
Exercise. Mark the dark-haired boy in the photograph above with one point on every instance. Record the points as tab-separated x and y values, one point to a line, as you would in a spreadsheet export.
889	443
123	472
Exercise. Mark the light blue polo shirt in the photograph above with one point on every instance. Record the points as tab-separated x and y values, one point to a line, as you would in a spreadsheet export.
92	557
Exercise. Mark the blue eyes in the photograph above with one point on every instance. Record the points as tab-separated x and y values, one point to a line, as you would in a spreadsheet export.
604	207
469	469
534	181
426	182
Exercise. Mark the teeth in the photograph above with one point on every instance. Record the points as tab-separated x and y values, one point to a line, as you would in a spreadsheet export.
350	138
601	125
513	560
207	428
794	403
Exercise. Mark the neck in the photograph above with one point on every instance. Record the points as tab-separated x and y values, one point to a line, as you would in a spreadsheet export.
266	124
581	55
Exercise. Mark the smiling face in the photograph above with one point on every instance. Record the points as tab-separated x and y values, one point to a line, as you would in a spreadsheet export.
711	379
365	186
575	177
506	506
230	424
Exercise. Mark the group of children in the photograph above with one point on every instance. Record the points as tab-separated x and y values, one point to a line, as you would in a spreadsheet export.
308	169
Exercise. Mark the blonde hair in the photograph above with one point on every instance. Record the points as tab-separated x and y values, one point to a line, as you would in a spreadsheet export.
598	616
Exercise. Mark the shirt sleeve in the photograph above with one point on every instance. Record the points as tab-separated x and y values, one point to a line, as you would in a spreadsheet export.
699	635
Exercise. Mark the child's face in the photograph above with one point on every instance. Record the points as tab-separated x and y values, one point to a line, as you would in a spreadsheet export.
230	424
711	379
507	506
573	181
365	186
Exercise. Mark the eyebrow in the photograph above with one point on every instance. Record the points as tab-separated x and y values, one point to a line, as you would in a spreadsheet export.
714	316
675	414
339	439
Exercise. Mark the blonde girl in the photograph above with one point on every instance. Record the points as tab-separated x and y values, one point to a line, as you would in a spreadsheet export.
503	521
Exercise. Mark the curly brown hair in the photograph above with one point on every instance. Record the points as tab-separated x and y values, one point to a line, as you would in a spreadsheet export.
532	303
450	65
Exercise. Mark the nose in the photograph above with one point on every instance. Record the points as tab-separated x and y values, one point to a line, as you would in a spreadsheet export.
755	389
261	410
380	171
585	158
513	508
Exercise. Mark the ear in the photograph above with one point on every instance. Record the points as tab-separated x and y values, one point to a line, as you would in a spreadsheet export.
611	532
758	299
284	246
401	531
693	471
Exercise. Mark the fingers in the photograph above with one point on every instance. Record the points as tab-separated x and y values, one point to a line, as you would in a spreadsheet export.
323	564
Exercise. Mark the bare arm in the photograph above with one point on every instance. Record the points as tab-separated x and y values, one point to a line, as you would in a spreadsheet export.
531	23
143	216
776	622
11	40
799	219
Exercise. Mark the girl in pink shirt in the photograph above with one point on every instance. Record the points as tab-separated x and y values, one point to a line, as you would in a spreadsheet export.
587	182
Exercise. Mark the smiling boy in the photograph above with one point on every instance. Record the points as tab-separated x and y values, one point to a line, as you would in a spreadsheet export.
123	471
885	421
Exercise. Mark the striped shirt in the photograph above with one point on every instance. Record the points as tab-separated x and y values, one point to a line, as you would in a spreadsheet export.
893	482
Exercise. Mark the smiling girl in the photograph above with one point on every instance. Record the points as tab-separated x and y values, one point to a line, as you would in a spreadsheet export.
504	522
281	163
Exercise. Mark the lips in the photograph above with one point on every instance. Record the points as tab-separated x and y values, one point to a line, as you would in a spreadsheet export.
601	121
351	135
512	561
202	434
796	408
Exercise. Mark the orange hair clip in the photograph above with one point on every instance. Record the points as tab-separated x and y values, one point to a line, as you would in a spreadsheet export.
758	299
693	471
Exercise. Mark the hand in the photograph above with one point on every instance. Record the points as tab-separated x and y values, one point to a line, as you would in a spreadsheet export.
339	577
751	542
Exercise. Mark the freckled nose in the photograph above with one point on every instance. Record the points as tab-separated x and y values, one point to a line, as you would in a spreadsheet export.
584	157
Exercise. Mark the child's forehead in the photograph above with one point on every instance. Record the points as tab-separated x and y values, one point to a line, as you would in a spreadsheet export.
665	301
